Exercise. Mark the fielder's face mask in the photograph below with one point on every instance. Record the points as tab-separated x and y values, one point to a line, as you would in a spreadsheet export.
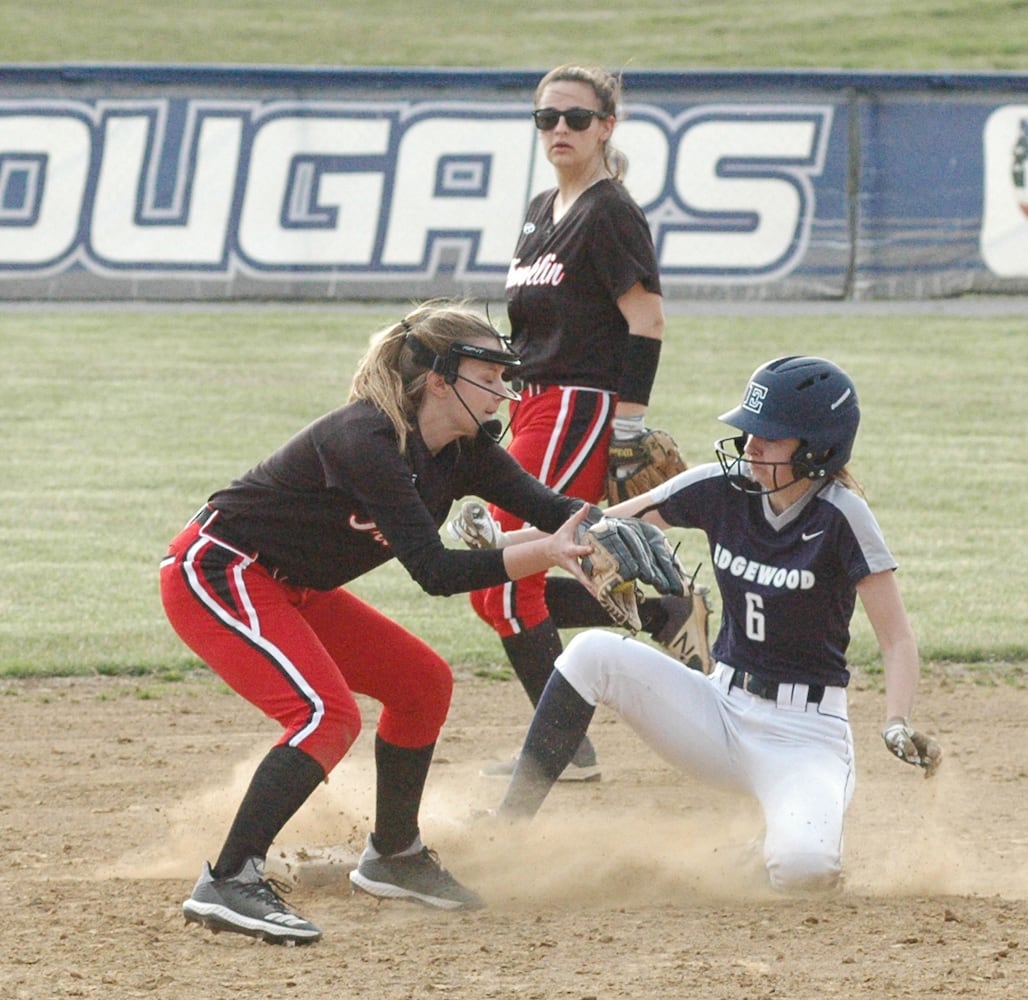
448	365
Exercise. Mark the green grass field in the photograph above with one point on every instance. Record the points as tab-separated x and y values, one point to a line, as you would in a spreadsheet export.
118	424
646	34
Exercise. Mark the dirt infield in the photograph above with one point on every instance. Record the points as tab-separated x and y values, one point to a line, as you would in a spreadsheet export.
115	790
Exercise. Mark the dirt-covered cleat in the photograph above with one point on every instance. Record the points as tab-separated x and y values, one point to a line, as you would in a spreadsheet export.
247	903
500	768
417	877
583	766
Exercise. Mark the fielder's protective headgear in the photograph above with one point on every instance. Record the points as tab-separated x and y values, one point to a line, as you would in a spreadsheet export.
803	397
448	365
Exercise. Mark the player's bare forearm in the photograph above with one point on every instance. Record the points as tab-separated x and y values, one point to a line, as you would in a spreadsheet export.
901	674
632	507
528	534
881	599
628	508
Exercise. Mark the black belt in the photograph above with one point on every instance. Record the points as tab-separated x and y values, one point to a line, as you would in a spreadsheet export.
205	513
763	688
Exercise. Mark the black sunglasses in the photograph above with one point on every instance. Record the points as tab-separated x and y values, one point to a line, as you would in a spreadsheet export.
578	119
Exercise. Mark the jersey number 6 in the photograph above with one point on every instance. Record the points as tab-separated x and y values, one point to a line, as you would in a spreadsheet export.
754	617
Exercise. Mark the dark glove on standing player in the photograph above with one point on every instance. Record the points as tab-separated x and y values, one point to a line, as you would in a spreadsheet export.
639	461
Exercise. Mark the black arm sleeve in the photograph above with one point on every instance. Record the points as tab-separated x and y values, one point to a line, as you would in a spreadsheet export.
484	470
492	474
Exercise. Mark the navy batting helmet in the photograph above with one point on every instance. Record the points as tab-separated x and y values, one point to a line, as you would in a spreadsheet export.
807	398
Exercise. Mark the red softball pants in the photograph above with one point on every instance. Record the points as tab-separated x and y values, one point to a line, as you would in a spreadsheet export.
300	654
561	434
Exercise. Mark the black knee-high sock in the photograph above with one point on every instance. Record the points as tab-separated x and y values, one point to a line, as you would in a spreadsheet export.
400	774
557	729
283	781
531	654
572	606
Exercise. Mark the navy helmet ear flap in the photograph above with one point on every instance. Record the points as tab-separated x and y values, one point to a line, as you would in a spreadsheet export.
808	464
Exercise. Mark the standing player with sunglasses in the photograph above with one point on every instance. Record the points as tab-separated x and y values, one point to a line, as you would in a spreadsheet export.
587	319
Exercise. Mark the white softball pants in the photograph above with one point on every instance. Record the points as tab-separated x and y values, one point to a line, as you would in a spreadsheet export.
795	757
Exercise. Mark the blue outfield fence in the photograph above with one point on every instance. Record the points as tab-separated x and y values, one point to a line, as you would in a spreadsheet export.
222	183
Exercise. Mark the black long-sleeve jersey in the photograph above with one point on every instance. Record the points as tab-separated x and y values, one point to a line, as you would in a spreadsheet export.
338	499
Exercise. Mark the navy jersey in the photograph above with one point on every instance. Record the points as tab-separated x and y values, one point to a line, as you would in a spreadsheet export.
788	581
339	499
565	280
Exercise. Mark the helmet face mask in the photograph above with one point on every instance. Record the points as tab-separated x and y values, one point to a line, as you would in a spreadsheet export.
741	469
448	366
800	397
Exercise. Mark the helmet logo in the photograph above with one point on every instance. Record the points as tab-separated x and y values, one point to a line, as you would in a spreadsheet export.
753	399
842	399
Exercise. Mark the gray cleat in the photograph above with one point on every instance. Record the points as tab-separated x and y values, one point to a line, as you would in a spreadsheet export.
416	877
247	903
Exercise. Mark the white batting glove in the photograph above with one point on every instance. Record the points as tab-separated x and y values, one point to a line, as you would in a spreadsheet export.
476	528
912	747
